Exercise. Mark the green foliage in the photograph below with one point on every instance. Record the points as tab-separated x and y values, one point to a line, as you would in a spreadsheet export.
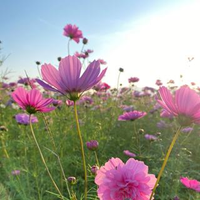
98	122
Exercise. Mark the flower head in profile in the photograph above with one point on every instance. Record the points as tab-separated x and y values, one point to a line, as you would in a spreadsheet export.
31	101
131	116
191	184
119	181
185	104
73	32
23	118
150	137
128	153
68	79
133	79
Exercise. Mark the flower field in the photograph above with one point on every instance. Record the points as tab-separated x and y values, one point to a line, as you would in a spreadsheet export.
68	135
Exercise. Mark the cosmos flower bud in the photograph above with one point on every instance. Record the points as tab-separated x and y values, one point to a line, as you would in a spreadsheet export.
72	180
85	41
92	145
94	169
141	131
121	69
3	128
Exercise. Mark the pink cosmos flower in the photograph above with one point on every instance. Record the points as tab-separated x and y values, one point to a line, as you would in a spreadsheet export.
150	137
31	101
73	32
133	79
68	79
158	82
131	116
128	153
119	181
103	62
191	184
185	105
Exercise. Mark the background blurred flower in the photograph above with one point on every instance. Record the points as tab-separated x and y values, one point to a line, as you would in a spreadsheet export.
191	184
131	116
15	172
150	137
128	153
23	118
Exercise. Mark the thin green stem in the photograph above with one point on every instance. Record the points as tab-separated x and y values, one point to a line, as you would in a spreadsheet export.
43	160
68	46
165	160
118	82
62	170
49	132
82	150
97	160
4	148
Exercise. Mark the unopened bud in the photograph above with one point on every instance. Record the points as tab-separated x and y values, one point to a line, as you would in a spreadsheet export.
121	69
141	131
85	40
72	180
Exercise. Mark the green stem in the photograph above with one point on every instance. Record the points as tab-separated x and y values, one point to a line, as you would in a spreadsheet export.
82	150
165	161
43	160
4	148
49	132
68	47
95	153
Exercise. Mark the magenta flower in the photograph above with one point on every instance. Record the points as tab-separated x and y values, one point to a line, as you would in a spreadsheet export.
158	82
68	79
185	105
150	137
69	103
31	101
191	184
119	181
73	32
128	153
131	116
92	145
23	118
133	79
103	62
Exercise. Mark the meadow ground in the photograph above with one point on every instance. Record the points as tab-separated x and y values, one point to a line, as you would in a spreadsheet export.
98	116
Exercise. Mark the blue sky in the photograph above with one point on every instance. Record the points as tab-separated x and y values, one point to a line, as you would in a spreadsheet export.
32	30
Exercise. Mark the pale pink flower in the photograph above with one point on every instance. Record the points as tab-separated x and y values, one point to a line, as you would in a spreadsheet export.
191	184
68	79
185	105
119	181
73	32
31	101
131	116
